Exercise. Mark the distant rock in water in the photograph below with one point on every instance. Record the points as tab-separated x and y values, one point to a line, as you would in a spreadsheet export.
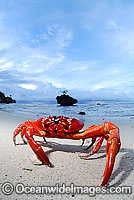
81	113
4	99
66	100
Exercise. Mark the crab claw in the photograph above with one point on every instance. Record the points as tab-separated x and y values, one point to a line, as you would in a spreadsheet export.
76	125
112	148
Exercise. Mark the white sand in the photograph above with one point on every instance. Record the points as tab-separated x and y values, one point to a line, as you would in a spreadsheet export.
16	166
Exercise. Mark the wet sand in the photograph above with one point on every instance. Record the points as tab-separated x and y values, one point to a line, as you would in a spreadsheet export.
19	164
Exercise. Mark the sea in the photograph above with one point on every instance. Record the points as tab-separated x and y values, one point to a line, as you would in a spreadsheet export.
96	112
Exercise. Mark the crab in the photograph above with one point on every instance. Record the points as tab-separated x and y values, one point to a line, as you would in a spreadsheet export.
69	128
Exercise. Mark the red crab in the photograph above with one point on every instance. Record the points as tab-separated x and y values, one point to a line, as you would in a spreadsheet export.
69	128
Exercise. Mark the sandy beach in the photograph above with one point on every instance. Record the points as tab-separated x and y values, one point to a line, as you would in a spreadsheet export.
18	164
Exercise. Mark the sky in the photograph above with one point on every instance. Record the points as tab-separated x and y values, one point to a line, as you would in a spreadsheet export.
83	46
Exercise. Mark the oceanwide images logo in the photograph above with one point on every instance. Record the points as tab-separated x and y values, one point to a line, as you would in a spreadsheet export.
8	188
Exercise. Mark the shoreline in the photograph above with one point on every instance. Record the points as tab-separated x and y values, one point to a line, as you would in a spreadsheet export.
95	113
16	166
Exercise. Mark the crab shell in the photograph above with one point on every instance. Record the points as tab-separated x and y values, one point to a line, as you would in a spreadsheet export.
61	124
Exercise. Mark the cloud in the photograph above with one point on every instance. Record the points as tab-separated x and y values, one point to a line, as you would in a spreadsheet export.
28	86
5	65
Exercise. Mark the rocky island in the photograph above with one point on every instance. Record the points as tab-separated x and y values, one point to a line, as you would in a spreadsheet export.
4	99
65	100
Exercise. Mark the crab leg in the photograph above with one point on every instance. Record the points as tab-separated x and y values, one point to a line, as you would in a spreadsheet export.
110	132
82	143
93	141
45	140
16	132
95	148
112	148
22	134
36	147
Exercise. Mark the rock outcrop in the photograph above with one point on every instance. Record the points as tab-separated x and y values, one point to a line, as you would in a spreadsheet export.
66	100
81	113
4	99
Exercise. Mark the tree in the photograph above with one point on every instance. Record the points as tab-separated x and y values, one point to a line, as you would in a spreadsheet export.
64	92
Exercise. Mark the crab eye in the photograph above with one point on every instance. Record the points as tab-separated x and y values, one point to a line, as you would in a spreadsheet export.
56	120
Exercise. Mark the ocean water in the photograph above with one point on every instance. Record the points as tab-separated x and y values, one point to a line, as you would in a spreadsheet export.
96	112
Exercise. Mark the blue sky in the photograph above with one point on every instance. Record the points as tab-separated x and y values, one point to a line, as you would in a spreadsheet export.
84	46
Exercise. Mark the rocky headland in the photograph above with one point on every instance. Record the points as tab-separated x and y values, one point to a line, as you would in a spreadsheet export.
4	99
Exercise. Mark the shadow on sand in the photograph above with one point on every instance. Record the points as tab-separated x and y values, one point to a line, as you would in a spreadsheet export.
125	166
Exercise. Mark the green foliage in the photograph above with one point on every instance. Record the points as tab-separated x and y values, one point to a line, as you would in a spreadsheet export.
64	92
